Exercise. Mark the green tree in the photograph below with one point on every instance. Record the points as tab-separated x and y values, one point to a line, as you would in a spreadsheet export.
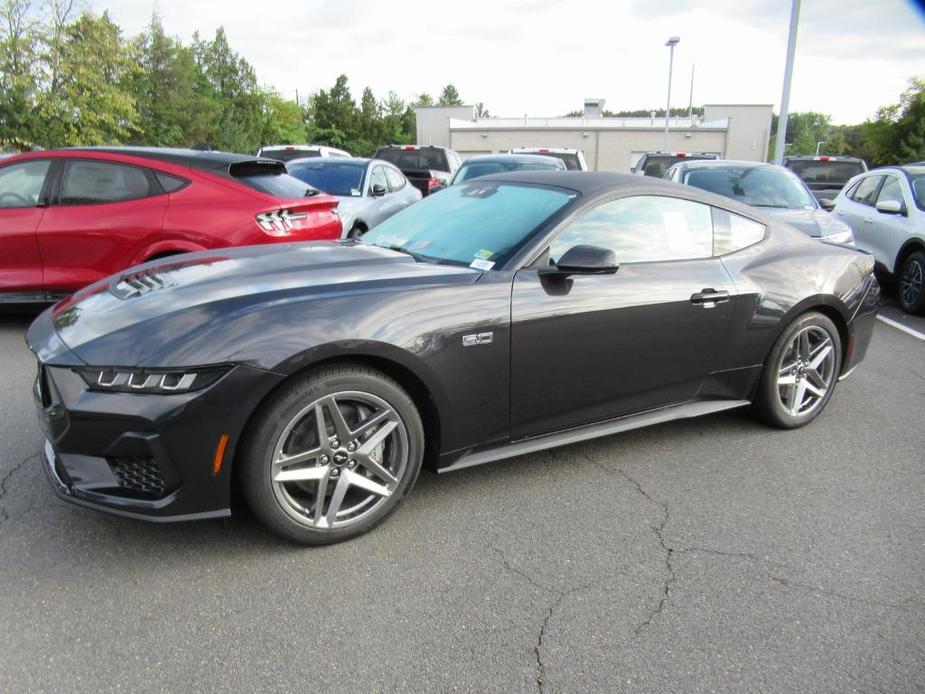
449	97
283	121
18	83
333	115
897	133
87	99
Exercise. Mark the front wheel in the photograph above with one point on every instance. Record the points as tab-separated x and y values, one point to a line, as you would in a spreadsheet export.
800	374
332	454
912	284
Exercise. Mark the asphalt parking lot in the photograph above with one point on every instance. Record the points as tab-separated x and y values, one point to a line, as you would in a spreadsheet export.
706	555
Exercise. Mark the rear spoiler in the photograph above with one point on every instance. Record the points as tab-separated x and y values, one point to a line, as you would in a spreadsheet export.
256	167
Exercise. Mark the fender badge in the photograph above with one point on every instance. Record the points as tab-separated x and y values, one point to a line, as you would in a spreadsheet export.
478	339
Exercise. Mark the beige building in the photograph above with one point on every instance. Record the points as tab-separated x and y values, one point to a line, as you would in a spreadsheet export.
732	131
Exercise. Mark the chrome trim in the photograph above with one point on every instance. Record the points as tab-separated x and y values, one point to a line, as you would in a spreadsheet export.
593	431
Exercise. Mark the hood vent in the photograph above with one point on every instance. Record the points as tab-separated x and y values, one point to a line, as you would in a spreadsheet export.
138	284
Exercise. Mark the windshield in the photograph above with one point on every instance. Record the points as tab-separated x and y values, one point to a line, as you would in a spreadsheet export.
834	173
917	183
472	170
754	186
481	224
333	177
414	159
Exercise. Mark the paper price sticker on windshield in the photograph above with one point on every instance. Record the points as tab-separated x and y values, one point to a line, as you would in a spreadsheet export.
479	264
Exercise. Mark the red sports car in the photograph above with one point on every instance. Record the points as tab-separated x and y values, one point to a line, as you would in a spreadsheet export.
70	217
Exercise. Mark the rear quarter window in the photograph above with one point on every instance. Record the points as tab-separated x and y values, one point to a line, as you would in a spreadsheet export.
732	232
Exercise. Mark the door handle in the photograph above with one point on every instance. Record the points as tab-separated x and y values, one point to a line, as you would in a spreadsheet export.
708	298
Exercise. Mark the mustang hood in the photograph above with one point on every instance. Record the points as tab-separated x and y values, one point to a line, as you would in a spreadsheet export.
129	317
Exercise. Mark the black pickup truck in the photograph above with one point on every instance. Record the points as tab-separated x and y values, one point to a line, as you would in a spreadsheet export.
824	175
427	167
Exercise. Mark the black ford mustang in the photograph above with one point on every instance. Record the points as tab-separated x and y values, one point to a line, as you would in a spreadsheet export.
502	316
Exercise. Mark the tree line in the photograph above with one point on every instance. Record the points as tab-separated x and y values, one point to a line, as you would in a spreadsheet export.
70	78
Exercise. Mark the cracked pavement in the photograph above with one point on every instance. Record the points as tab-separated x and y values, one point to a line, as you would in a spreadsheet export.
710	555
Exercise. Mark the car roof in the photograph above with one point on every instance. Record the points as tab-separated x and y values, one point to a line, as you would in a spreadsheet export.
542	150
821	157
334	161
204	160
519	158
676	153
730	164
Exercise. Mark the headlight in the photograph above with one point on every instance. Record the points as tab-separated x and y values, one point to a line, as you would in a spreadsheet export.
150	381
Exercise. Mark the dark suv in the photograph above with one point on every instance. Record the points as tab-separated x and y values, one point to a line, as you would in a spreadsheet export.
825	176
428	168
657	163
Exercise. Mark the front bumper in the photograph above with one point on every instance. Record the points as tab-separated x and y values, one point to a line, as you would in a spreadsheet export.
144	456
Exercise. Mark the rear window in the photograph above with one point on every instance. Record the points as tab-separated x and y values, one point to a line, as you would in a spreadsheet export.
289	154
834	172
267	178
656	165
336	178
415	159
569	158
469	171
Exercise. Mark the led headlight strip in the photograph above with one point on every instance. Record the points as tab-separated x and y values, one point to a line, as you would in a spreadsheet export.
151	381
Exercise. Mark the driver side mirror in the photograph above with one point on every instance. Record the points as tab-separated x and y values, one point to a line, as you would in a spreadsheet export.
377	191
891	207
582	260
826	204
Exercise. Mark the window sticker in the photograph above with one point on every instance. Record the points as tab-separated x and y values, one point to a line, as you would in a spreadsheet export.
483	254
480	264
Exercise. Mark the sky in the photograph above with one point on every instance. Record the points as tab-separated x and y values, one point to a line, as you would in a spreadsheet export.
544	57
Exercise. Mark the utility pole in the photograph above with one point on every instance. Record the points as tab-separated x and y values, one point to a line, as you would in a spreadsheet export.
788	74
690	105
671	43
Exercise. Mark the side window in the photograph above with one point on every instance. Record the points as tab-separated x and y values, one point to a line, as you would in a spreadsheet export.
642	229
170	184
732	232
21	184
377	178
396	180
866	192
88	182
892	190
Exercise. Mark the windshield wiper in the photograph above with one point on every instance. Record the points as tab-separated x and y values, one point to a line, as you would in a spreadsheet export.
777	207
401	249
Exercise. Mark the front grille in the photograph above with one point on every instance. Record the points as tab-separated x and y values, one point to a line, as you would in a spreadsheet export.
139	474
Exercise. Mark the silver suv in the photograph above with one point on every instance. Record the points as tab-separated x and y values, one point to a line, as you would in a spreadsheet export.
886	210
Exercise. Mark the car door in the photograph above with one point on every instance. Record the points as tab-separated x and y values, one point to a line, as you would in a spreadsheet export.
594	347
400	193
22	203
857	209
887	232
103	216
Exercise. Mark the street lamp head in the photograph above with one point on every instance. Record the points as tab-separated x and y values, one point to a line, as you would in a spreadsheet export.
673	41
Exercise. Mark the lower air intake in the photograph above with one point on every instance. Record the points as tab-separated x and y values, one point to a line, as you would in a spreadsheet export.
138	474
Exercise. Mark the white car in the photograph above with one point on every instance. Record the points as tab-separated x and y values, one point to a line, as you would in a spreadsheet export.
574	159
886	210
286	153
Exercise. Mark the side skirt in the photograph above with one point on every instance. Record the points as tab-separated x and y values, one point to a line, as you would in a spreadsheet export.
593	431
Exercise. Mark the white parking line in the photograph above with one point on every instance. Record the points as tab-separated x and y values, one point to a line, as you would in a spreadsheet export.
899	326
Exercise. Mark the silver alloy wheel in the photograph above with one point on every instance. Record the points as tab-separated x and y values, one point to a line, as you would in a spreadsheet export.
806	371
339	459
910	284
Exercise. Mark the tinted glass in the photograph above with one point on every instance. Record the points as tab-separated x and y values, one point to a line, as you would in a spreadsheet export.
866	192
891	190
472	221
21	184
835	173
279	184
396	180
415	159
377	178
334	177
91	182
658	164
642	229
472	170
754	186
733	233
570	159
170	184
289	154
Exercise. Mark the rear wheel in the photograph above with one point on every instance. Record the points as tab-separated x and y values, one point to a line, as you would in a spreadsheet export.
332	455
911	286
800	374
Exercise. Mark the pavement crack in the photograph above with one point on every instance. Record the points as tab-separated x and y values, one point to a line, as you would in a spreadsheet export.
658	529
780	580
6	478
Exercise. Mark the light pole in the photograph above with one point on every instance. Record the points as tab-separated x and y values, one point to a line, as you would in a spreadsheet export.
788	74
671	43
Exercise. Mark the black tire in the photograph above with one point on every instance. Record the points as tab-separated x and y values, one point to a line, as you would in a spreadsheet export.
910	288
271	501
768	404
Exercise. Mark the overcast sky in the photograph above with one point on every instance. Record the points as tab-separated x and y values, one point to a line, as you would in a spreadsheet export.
543	57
